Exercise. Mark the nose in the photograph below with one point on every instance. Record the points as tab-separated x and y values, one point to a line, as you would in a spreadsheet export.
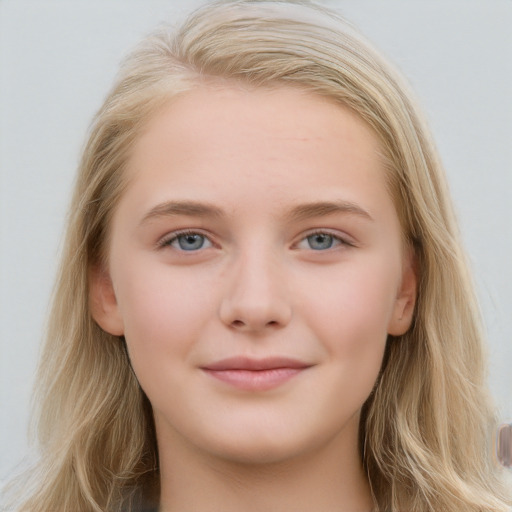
256	297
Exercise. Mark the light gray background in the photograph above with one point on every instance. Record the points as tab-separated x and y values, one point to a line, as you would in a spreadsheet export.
58	58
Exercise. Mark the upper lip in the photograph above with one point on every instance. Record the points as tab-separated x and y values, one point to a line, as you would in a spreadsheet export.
247	363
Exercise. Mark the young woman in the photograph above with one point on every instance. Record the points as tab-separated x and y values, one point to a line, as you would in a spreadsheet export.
263	303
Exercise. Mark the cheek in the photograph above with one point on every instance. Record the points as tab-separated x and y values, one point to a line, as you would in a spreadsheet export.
164	312
353	331
352	311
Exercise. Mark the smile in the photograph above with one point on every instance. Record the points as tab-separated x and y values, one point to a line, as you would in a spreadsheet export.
253	374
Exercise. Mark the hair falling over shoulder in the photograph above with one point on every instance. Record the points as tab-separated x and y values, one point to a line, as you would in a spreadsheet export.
425	431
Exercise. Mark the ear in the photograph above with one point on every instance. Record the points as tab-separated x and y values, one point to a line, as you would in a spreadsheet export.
103	302
403	311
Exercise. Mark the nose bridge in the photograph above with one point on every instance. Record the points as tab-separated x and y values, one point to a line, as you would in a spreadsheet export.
256	295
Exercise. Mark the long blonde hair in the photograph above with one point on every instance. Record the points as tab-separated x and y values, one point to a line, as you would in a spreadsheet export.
425	431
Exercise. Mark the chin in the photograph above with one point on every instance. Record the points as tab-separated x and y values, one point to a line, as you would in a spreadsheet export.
258	454
264	447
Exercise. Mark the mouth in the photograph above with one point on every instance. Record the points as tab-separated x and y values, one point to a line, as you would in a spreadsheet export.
255	374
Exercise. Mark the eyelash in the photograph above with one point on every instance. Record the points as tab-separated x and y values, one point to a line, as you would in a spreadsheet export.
173	237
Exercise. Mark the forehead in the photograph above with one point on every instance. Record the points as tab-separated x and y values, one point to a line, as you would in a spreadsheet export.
227	140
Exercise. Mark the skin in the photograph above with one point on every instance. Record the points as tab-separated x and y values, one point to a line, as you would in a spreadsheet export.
260	285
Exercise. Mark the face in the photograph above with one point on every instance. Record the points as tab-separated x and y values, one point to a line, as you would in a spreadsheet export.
256	268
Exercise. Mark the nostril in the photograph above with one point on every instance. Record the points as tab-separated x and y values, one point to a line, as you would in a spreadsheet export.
238	324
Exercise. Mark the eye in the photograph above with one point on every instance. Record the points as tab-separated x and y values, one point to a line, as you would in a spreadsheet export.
189	241
320	241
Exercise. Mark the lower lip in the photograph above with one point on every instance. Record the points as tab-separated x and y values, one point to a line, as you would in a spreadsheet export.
255	380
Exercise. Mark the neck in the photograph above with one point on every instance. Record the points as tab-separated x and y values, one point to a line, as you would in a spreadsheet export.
328	480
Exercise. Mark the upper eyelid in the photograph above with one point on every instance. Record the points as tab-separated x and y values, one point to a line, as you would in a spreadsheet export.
321	231
342	237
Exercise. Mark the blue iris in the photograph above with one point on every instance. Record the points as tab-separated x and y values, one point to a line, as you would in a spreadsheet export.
320	241
190	241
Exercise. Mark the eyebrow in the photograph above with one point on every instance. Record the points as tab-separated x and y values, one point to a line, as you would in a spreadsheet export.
323	208
175	208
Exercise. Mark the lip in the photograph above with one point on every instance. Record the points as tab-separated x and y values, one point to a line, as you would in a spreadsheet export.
255	374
